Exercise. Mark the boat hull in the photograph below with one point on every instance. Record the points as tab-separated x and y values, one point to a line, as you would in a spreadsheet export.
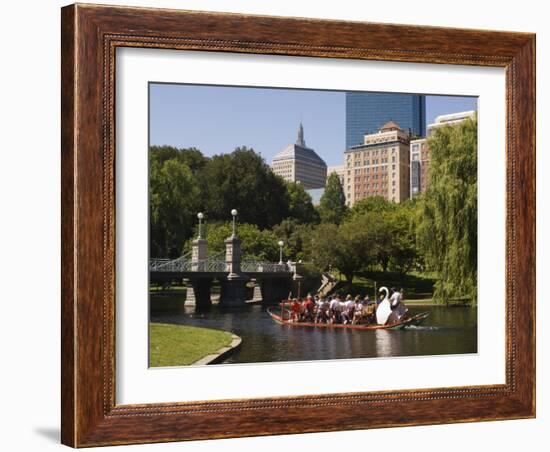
409	321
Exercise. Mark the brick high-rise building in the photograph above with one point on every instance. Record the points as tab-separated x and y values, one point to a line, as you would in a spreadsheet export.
379	166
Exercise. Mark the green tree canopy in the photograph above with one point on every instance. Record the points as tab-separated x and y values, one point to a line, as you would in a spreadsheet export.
447	222
294	235
173	194
373	204
332	207
344	247
242	180
300	204
255	243
192	157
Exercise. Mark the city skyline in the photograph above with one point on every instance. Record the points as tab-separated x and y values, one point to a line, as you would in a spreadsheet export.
217	119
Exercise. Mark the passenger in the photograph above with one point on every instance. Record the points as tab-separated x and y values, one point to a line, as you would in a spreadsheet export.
369	310
326	310
302	310
347	310
320	315
334	309
295	308
308	309
357	311
397	306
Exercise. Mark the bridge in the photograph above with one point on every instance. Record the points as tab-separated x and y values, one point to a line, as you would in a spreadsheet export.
198	271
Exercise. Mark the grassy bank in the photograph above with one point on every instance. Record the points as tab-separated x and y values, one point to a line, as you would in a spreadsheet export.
416	286
179	345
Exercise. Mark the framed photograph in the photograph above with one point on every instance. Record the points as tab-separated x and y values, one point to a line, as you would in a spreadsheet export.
282	225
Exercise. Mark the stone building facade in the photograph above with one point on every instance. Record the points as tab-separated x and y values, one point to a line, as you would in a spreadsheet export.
379	167
301	164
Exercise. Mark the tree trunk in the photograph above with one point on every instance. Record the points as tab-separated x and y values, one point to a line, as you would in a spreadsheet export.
349	280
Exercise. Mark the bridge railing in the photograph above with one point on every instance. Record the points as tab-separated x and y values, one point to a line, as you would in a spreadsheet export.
263	267
215	265
180	265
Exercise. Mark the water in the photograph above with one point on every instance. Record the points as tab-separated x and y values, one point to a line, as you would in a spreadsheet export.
448	330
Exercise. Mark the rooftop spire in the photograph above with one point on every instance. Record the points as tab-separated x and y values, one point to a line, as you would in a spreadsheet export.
300	141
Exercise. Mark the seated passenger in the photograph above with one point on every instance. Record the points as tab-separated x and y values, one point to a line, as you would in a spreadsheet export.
347	310
322	309
334	307
309	306
357	311
295	308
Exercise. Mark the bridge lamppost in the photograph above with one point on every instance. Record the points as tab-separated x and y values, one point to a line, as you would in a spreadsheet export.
200	216
234	214
281	244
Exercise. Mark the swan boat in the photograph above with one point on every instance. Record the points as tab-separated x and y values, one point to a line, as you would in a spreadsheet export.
402	323
383	312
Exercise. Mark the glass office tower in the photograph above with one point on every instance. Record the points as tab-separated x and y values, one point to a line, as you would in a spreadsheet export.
367	112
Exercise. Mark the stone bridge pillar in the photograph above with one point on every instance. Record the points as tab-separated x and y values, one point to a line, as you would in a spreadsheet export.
233	287
198	254
198	292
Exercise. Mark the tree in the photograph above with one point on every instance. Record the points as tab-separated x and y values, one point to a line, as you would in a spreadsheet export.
344	247
255	243
294	236
173	193
447	223
404	252
375	204
300	204
192	157
242	180
332	207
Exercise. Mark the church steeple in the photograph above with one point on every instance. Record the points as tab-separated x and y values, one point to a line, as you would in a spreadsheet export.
300	141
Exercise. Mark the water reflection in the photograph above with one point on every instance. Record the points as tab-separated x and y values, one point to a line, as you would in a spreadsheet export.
446	331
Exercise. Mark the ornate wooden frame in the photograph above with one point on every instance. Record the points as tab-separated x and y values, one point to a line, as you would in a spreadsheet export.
90	35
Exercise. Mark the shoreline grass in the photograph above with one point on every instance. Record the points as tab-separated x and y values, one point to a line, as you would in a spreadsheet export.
181	345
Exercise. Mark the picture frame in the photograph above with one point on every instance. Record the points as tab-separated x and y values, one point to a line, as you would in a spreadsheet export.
90	36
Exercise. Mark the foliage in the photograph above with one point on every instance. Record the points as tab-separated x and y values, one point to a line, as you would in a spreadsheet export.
294	236
173	194
339	247
255	243
332	207
447	222
192	157
373	204
300	206
243	181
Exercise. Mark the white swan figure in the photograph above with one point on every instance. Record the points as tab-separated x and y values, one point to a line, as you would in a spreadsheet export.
384	308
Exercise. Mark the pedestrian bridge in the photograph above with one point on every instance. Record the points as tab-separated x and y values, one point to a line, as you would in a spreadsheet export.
185	264
273	281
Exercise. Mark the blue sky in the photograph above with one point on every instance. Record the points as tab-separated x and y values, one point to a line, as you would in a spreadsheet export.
217	119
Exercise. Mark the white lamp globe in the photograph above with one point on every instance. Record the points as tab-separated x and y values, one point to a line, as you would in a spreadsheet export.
281	243
234	212
200	215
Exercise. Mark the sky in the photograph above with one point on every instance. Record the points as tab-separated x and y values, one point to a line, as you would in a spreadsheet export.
217	119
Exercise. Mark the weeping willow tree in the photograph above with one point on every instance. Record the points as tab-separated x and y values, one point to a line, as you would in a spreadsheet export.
447	222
